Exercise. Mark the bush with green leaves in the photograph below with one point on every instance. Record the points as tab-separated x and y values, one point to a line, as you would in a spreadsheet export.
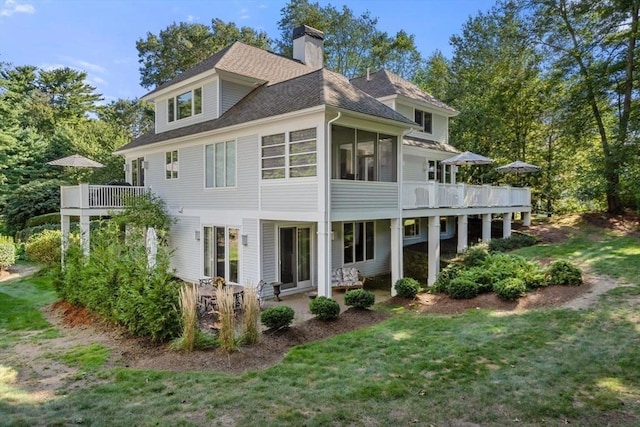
359	298
445	276
510	289
50	218
277	317
516	241
44	247
475	255
562	272
407	287
7	252
324	308
29	200
462	288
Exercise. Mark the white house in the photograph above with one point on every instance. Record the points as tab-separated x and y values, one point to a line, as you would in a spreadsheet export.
277	169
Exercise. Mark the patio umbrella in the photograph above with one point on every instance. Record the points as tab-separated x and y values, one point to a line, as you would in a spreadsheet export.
152	247
467	158
518	167
76	161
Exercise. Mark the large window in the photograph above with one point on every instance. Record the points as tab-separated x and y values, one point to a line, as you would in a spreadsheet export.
363	155
291	155
220	164
184	105
171	164
424	119
359	241
412	227
439	172
221	252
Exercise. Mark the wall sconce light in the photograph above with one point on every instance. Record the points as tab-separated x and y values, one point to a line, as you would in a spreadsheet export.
244	239
197	234
145	165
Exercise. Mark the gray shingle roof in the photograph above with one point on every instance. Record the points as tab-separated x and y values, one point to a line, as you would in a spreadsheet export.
386	83
247	60
428	143
321	87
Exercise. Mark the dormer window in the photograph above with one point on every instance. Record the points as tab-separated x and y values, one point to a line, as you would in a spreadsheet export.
184	105
424	119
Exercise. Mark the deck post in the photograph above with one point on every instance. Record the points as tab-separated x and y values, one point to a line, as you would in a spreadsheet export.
65	225
396	253
324	259
85	234
486	228
506	225
434	250
526	219
463	233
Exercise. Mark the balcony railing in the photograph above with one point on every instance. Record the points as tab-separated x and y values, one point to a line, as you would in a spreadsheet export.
436	195
85	196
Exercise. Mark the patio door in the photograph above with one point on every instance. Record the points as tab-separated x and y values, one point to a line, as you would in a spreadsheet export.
295	256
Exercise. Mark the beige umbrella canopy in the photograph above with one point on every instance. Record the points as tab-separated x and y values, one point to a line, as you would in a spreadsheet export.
76	161
467	158
518	167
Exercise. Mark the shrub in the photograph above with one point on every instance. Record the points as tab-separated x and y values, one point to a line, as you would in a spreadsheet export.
475	255
562	272
226	316
462	288
407	287
510	289
44	247
516	241
445	276
483	277
189	311
359	298
277	317
50	218
7	252
324	308
250	315
29	200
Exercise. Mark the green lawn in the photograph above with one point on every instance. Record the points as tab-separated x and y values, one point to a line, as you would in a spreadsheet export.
543	367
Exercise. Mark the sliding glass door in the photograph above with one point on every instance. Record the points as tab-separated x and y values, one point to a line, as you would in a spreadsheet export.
294	256
221	252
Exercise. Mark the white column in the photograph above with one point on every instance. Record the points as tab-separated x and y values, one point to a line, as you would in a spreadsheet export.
526	219
85	234
434	249
396	253
65	226
324	259
463	232
486	228
506	225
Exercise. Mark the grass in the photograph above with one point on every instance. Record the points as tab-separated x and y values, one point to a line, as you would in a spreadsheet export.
542	367
87	357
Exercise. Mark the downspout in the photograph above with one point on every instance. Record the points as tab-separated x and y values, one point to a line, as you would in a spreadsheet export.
400	249
327	201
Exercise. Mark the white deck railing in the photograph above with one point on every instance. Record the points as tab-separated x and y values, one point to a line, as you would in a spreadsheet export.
436	195
85	196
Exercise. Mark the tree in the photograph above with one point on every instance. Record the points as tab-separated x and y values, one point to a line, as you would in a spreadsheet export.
352	43
593	45
135	117
435	75
181	46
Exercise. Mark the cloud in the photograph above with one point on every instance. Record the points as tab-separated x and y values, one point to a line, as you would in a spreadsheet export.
190	18
12	7
84	65
244	13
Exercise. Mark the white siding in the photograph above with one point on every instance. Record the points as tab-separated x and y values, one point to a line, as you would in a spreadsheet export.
413	168
250	253
231	93
209	107
440	128
405	110
188	190
289	197
382	258
186	259
269	256
360	195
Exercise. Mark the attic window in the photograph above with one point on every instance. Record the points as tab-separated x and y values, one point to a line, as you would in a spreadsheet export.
184	105
425	120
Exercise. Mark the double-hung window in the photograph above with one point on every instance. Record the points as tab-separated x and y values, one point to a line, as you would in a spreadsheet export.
289	155
220	164
359	241
412	227
184	105
171	164
425	120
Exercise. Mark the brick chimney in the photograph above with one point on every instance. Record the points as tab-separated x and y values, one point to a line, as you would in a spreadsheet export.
308	46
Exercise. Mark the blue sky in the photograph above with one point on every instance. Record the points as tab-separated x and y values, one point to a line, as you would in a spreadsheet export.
99	36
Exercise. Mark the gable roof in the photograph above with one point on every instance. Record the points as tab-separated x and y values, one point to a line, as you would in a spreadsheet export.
241	58
385	83
321	87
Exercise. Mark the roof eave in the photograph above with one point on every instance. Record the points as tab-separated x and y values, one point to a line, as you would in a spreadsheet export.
447	112
159	92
